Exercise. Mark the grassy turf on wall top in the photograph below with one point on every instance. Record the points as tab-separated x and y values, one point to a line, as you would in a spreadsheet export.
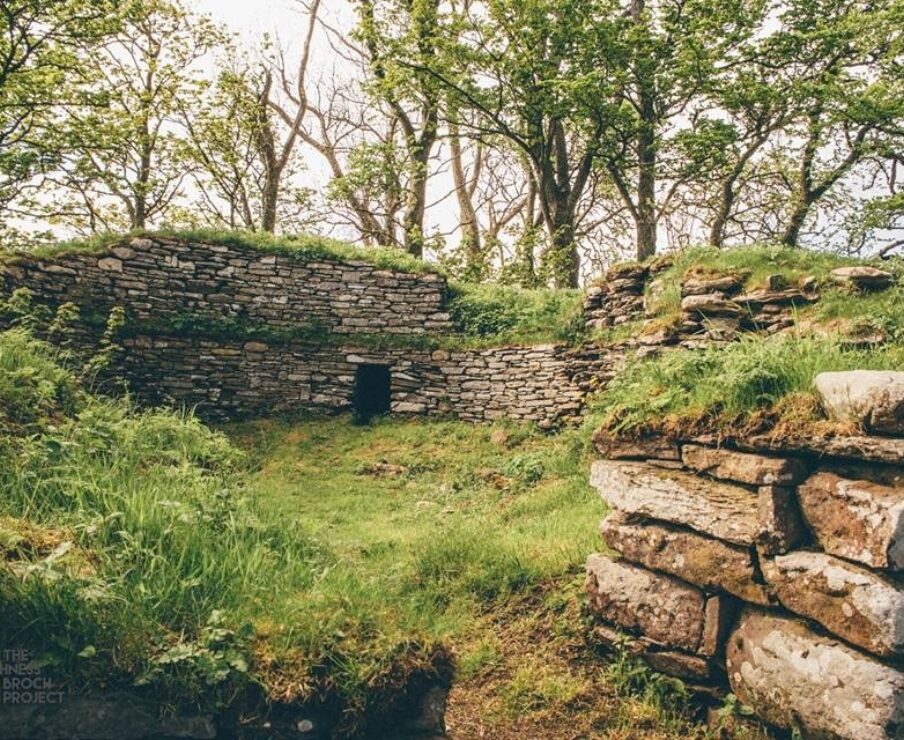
303	247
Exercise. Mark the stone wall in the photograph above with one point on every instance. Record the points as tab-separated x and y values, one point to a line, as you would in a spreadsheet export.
776	571
714	308
159	280
229	379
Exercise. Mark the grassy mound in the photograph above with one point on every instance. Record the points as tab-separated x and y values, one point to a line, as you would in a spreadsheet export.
838	309
755	385
758	384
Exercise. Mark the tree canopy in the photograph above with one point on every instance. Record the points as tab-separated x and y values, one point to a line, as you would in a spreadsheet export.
531	141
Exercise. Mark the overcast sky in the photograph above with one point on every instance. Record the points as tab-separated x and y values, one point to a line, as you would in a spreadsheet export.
253	18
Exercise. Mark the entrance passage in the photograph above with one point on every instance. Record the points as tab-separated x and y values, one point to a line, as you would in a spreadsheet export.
372	391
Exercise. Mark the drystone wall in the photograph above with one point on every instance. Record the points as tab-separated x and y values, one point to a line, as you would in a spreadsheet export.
775	570
714	308
223	379
161	280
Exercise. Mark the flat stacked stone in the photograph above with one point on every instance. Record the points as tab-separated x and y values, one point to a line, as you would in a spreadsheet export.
807	549
618	298
863	277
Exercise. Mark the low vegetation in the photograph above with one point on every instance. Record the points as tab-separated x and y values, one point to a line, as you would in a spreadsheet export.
497	314
294	560
750	386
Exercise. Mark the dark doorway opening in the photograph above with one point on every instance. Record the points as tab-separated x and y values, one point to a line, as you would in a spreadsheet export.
372	391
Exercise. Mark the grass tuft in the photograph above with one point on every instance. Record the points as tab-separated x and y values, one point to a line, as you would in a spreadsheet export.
747	386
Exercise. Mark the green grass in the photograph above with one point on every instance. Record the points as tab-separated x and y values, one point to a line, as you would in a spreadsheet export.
748	385
143	550
456	523
303	247
489	314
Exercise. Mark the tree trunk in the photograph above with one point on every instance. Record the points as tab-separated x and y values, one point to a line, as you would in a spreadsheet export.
470	244
269	198
563	257
415	210
266	145
717	230
646	151
791	236
416	207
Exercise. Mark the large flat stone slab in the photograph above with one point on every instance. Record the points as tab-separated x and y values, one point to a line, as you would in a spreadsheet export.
792	677
863	277
706	562
873	449
713	508
855	519
662	608
686	666
872	398
744	467
852	602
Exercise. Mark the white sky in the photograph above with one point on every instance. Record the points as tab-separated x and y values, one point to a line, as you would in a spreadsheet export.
284	20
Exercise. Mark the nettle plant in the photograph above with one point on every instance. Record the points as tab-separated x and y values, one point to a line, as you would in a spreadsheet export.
60	326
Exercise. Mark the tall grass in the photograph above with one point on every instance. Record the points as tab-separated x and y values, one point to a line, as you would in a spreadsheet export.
728	387
145	551
163	560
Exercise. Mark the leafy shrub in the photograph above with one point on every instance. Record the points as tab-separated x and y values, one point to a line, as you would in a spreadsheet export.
515	314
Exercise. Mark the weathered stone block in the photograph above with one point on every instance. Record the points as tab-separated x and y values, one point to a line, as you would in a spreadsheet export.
781	525
706	562
854	603
671	662
724	284
711	304
662	608
863	277
717	509
615	448
855	519
743	467
873	398
110	264
793	677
